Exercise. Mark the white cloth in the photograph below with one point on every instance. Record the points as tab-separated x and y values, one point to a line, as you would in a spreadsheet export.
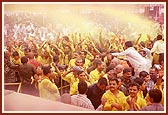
81	100
148	58
158	47
135	59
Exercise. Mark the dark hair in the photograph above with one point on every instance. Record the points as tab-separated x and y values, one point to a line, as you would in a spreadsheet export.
103	81
156	94
98	62
80	71
128	44
159	37
114	79
55	58
83	52
125	70
24	59
27	49
138	80
46	69
82	87
134	84
15	53
143	74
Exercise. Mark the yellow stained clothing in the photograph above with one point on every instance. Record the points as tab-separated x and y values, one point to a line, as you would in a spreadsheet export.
66	60
21	53
87	63
39	58
74	87
111	98
44	61
94	76
13	61
89	57
71	63
48	90
140	94
70	78
140	102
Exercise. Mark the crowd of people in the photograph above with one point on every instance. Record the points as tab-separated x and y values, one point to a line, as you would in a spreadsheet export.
112	74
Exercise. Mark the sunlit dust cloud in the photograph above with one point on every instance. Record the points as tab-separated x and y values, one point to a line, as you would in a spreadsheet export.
91	18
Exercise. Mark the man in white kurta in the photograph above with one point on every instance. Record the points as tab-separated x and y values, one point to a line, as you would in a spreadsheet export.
135	59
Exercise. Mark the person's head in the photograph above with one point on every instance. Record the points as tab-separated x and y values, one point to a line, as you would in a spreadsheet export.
81	75
102	83
26	51
100	65
46	54
39	70
141	83
144	75
153	72
67	49
46	70
109	57
113	84
56	59
75	70
120	81
113	63
24	59
111	74
80	62
159	37
128	44
82	87
35	53
127	73
133	89
75	54
31	55
83	54
15	55
155	95
119	68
